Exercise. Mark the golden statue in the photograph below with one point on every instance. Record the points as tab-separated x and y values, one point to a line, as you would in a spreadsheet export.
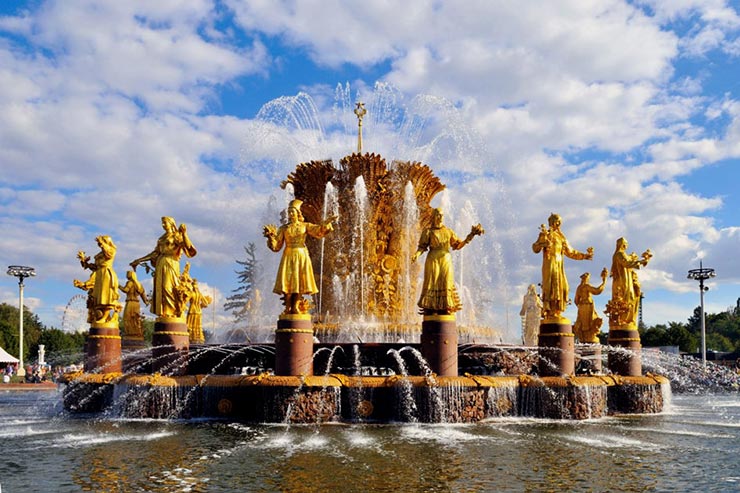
554	247
102	286
588	323
198	301
531	314
388	240
132	327
438	293
184	289
165	258
295	274
624	306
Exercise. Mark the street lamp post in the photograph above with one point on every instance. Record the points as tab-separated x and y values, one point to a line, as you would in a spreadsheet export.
21	272
702	274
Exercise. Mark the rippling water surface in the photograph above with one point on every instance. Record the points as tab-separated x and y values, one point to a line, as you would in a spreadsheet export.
695	446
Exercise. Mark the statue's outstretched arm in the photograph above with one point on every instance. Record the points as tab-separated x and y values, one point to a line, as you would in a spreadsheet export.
274	237
543	240
85	261
146	258
576	255
476	230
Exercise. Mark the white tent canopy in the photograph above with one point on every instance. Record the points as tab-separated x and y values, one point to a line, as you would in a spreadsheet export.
7	358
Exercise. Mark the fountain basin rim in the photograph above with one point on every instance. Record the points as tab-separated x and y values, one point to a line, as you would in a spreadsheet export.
340	380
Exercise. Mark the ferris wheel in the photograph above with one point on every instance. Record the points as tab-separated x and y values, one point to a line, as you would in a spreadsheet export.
74	318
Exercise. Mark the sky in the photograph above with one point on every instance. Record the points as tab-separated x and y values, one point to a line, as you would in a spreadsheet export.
623	117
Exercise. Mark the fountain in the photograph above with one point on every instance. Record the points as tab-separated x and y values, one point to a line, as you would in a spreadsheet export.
359	350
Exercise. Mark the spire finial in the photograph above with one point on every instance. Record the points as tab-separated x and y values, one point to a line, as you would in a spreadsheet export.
360	111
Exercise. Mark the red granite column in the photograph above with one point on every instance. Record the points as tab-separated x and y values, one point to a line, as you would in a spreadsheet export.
294	345
170	346
556	348
439	344
626	358
132	343
103	348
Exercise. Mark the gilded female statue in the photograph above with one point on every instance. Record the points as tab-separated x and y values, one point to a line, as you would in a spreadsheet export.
165	258
588	323
624	306
132	311
554	247
198	301
102	286
295	274
438	293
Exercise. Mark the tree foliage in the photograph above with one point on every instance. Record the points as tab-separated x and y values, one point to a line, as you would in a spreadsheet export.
240	304
62	348
722	332
9	330
673	334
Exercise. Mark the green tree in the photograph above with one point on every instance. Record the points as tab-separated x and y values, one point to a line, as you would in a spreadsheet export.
656	335
679	335
673	334
240	303
723	328
726	325
719	342
62	348
9	322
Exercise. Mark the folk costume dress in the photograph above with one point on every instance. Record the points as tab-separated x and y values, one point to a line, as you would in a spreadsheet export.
555	287
295	273
438	293
588	323
170	246
105	289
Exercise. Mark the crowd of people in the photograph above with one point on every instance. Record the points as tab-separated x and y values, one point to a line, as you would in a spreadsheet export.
38	373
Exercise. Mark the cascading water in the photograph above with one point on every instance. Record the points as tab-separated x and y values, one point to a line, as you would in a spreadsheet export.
436	406
410	228
689	375
331	209
467	316
424	128
362	208
406	399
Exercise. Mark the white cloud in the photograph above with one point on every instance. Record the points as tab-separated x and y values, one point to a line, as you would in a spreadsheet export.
722	253
713	24
141	49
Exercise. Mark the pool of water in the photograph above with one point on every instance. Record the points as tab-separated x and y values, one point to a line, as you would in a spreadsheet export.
694	445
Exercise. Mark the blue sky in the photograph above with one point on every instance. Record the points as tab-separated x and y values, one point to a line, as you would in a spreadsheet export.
624	117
